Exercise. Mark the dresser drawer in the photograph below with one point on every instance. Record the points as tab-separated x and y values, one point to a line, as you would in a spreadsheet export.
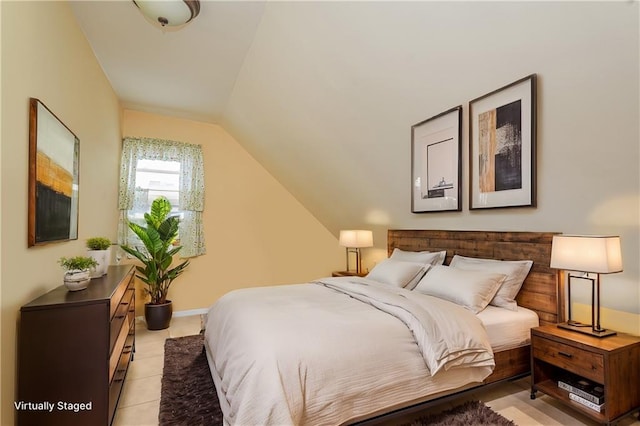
123	336
126	284
115	388
579	361
123	309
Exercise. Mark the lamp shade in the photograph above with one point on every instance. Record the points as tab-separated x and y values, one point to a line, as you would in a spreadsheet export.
586	253
171	13
356	238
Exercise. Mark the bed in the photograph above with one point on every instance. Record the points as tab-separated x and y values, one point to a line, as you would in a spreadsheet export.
313	353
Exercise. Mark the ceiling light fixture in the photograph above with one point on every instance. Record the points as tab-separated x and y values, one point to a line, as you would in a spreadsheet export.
169	13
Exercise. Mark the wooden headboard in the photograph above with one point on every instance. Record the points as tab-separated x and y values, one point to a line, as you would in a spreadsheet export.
543	288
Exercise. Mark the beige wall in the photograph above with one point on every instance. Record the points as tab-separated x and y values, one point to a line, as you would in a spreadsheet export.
256	232
1	305
45	55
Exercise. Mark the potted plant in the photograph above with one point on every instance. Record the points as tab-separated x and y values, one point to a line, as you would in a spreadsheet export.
98	249
78	272
156	255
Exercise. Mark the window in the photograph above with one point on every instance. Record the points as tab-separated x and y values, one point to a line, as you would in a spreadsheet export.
151	168
153	179
159	178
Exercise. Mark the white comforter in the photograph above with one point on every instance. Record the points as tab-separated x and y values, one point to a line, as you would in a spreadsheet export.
334	350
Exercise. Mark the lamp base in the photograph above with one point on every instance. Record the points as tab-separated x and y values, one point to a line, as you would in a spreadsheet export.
586	329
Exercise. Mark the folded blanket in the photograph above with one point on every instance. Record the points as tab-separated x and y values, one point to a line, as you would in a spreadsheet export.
448	335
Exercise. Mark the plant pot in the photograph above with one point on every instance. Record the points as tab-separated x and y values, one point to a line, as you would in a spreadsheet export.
158	317
76	280
102	257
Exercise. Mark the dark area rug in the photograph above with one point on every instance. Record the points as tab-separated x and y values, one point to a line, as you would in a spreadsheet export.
469	413
189	396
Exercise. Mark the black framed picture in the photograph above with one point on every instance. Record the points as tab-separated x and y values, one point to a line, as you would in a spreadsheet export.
502	147
53	178
436	163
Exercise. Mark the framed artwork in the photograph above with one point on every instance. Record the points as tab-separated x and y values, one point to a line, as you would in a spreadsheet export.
502	147
53	177
435	163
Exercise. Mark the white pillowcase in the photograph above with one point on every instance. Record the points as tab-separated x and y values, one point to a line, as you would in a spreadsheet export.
471	289
515	270
424	257
398	273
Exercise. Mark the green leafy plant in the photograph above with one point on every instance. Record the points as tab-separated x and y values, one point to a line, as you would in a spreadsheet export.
157	254
79	263
98	243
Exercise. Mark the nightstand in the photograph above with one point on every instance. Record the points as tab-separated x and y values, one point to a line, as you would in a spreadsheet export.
348	274
613	362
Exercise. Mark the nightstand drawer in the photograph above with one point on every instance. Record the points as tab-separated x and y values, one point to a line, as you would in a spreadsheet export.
579	361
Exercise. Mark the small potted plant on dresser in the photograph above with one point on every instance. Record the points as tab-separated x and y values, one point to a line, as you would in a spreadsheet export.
98	249
156	255
78	272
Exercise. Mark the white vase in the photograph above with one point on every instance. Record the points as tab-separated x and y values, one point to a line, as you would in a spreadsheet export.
102	257
76	279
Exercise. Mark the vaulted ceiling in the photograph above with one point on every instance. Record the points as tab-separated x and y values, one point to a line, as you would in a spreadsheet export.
323	94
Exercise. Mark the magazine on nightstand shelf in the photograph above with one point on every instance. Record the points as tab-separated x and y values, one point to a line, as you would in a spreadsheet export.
585	402
592	392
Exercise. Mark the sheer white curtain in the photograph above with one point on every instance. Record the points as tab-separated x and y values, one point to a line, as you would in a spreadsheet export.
191	199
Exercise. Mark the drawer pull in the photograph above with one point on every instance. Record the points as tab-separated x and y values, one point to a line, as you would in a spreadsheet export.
124	303
565	354
120	316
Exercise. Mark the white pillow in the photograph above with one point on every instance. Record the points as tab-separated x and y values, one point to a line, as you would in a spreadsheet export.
398	273
471	289
424	257
515	270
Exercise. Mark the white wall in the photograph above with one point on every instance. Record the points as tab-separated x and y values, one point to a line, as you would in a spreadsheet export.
329	91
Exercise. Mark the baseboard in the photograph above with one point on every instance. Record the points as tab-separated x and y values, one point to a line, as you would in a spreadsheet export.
187	313
190	312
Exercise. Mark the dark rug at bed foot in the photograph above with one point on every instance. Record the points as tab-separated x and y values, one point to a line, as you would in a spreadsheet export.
467	414
188	396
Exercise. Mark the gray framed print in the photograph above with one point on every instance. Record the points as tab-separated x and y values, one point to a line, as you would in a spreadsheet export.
436	156
53	178
502	147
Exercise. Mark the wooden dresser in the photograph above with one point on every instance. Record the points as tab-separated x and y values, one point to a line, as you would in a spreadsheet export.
74	350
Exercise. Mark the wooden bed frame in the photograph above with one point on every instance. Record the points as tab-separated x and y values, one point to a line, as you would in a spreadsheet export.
541	292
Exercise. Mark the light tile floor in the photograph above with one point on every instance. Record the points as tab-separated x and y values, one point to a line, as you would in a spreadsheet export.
140	399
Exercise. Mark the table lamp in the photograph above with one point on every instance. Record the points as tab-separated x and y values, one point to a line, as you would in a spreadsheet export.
586	254
354	240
